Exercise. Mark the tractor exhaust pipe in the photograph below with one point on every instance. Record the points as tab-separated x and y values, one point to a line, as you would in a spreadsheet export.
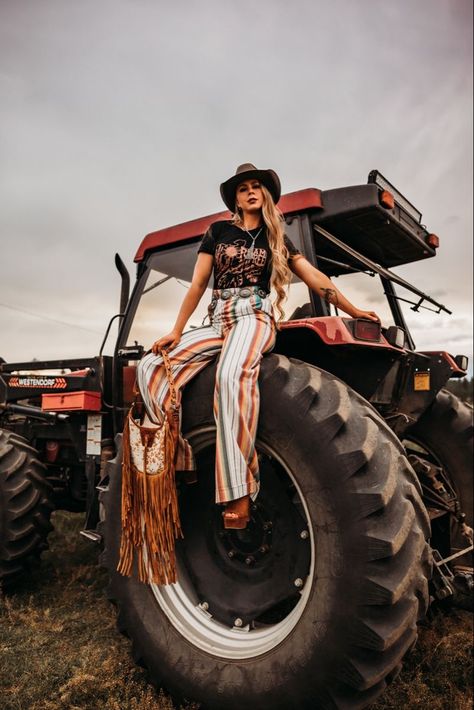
124	296
125	289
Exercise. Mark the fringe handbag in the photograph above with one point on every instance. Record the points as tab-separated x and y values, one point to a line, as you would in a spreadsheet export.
150	515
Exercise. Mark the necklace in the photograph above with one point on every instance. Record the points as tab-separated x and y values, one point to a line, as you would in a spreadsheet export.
249	254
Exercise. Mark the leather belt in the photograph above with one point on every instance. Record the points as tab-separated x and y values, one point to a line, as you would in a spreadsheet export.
245	292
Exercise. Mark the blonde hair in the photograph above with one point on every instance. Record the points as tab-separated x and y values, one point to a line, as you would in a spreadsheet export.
281	274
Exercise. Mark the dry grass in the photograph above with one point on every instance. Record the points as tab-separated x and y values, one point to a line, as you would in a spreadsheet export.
60	649
438	673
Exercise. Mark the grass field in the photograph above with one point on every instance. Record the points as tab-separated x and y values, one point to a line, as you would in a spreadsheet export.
59	647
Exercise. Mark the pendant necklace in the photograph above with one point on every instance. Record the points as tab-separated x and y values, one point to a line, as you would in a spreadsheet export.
250	251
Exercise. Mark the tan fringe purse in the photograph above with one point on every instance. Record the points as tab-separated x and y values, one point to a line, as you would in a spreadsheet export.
150	515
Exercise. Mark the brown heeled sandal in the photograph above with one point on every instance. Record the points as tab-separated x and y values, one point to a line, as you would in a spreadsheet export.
237	514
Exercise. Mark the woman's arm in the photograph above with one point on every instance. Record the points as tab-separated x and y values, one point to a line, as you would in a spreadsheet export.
323	286
201	275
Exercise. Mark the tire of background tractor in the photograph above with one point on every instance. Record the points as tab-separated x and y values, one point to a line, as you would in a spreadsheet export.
445	433
25	507
317	602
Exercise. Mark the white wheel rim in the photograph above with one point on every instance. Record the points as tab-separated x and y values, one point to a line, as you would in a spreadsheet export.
187	615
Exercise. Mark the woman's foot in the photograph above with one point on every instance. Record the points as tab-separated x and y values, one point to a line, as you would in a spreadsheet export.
237	513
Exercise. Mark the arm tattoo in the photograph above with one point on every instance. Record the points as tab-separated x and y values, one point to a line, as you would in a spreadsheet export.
330	296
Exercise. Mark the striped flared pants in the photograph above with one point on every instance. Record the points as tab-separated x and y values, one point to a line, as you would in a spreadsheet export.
241	330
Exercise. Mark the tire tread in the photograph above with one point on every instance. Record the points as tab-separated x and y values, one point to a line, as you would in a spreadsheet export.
26	507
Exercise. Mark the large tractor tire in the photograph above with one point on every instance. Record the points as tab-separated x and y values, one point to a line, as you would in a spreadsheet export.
444	437
25	507
315	604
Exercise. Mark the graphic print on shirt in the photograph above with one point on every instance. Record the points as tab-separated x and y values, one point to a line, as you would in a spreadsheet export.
230	258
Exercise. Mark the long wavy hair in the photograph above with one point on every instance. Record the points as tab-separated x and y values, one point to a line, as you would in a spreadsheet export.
281	274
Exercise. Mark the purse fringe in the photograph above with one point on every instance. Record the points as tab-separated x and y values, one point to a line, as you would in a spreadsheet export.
150	515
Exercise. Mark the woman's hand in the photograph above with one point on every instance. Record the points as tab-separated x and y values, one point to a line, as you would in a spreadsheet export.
370	315
168	342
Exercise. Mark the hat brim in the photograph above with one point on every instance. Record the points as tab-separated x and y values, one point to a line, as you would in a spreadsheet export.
269	178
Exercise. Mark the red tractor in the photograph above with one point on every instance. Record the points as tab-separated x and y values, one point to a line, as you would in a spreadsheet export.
365	509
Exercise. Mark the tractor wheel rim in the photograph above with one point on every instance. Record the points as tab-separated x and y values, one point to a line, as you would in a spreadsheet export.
190	617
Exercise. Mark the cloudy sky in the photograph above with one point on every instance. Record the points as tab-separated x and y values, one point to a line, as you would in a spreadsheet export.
119	117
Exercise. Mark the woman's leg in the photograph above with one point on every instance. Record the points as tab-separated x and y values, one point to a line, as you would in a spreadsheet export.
247	336
194	351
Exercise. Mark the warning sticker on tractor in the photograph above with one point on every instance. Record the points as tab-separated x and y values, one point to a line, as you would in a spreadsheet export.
94	434
43	381
422	381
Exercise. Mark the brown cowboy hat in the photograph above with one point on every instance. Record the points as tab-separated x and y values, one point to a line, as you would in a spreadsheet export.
247	171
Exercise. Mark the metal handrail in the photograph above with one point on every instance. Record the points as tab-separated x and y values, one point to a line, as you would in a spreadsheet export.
381	270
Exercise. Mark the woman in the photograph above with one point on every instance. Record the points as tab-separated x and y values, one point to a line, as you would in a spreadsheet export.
249	255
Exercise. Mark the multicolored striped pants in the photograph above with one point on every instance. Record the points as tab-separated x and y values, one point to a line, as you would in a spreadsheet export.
241	330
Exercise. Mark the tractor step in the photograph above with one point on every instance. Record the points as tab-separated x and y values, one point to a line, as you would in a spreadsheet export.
91	535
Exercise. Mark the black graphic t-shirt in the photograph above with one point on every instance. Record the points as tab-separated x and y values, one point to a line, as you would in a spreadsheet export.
230	245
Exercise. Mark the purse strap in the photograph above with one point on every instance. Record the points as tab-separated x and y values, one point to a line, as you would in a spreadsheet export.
138	401
171	382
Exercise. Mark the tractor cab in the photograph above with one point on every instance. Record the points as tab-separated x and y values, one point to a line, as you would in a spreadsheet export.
361	230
